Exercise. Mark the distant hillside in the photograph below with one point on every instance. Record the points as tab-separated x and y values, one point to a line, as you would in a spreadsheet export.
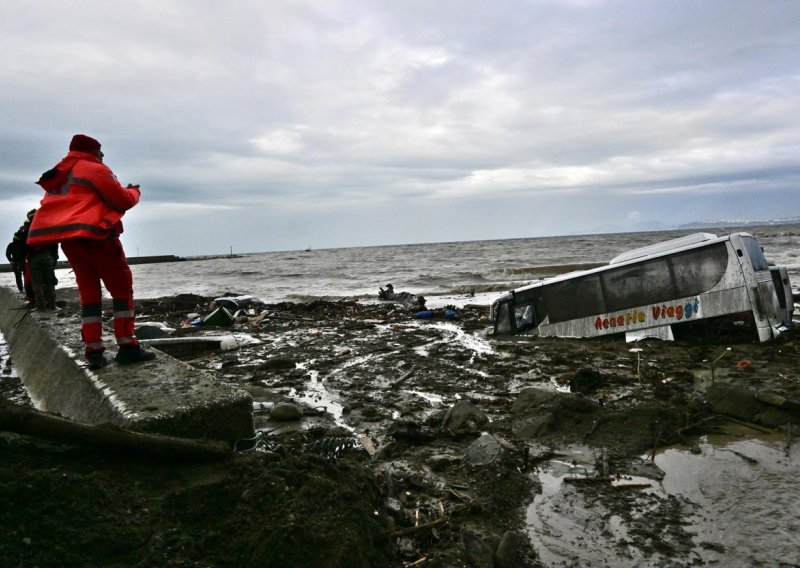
737	223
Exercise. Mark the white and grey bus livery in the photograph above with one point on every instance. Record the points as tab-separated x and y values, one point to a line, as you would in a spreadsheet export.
653	288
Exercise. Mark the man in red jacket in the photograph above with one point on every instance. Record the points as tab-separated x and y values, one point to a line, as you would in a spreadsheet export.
82	209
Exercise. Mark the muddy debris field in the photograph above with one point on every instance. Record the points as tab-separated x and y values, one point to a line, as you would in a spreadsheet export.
385	440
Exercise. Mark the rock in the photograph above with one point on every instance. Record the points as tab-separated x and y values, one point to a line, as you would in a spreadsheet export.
370	414
181	302
533	427
257	391
510	552
480	554
277	363
464	417
744	404
575	403
735	401
483	451
586	380
441	462
151	331
775	399
775	417
286	412
410	431
530	399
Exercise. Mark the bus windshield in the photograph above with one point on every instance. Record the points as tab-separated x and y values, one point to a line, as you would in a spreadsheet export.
755	254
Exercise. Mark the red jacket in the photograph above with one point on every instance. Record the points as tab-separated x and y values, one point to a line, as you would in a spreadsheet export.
83	200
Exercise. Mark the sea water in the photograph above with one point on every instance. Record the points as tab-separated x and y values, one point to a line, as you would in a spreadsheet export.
445	273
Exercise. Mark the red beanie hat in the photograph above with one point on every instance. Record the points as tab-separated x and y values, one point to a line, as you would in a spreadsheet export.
83	143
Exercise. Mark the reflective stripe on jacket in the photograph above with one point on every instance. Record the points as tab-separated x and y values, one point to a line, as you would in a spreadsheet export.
83	199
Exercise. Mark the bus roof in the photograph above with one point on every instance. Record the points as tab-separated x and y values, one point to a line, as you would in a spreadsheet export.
672	244
659	249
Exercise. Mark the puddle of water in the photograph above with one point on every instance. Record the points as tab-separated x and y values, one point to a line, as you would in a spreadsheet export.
748	511
717	506
316	395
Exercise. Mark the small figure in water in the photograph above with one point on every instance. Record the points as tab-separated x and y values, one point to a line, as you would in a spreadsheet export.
387	294
406	299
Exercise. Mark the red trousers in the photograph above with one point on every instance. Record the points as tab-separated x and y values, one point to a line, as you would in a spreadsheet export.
95	261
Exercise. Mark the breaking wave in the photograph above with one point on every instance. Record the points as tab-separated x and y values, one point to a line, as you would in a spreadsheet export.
467	289
549	270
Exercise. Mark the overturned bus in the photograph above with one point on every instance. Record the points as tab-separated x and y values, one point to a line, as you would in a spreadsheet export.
646	291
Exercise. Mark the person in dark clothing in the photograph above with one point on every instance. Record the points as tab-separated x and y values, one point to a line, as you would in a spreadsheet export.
20	238
34	267
42	265
15	253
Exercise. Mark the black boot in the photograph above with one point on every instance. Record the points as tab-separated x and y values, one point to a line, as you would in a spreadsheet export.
129	354
96	360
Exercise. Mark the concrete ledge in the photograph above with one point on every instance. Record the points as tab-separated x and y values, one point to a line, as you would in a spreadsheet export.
166	396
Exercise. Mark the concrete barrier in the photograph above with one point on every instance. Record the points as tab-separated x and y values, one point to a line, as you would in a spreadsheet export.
166	396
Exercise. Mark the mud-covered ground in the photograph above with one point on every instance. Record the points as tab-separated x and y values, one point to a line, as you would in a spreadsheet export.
385	440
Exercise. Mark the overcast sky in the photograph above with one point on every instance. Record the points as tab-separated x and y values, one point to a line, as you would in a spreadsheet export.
277	125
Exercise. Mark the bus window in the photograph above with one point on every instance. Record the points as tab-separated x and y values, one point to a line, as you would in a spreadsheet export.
502	321
698	271
572	299
638	285
523	317
755	254
777	280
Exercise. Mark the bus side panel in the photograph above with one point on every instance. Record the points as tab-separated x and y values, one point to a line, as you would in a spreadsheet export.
704	306
729	295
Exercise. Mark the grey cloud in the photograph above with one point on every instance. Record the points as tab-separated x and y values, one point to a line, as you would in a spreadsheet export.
291	109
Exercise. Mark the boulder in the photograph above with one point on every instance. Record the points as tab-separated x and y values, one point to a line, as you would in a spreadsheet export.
483	451
533	427
151	331
739	402
464	417
746	404
510	552
534	400
586	380
441	462
277	363
286	412
480	554
411	431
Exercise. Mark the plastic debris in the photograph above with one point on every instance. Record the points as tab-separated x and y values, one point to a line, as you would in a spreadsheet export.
220	317
332	448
